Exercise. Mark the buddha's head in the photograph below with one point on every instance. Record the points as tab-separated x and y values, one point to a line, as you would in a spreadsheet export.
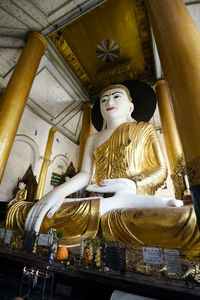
144	99
22	185
116	102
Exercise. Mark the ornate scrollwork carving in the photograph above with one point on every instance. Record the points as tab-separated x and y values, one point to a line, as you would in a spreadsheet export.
193	171
178	178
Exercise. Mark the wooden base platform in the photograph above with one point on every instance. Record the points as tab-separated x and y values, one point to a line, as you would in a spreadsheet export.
73	282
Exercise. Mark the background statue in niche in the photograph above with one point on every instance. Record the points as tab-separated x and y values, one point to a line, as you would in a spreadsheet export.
123	149
21	194
24	194
31	183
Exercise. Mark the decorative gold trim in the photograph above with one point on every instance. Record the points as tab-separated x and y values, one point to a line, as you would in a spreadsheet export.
67	53
144	34
115	70
178	178
193	171
17	240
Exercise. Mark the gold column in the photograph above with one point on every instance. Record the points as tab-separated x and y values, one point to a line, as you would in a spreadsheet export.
178	43
45	164
15	96
172	139
85	132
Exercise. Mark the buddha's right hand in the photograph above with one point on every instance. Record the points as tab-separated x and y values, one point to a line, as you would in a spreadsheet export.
48	204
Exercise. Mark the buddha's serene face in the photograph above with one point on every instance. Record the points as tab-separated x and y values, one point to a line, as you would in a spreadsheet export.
115	104
22	185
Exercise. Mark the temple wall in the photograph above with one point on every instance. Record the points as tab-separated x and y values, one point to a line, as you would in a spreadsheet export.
29	147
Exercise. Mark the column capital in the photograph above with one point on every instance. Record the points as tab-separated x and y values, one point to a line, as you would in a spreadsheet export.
87	105
159	82
53	129
39	36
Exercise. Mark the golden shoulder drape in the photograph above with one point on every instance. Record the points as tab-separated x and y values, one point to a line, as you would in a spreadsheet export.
134	152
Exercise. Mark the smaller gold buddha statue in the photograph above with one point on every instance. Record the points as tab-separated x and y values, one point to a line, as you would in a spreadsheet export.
15	204
21	193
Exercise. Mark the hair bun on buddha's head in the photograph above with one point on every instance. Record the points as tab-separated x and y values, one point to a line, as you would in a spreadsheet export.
142	96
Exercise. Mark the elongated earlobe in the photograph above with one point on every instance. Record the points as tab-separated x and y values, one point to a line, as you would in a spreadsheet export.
130	119
131	107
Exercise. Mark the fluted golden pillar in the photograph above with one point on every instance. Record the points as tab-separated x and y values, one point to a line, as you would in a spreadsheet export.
172	140
85	131
178	42
45	164
15	96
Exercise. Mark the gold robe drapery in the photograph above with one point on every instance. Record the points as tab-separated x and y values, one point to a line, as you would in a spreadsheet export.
75	220
167	227
133	151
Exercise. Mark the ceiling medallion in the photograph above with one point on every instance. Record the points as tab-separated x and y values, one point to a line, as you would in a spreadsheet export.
107	50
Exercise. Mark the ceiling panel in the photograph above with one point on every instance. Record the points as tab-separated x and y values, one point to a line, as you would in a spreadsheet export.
54	96
71	124
50	7
14	21
8	59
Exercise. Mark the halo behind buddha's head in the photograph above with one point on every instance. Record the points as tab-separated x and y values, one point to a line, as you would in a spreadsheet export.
140	93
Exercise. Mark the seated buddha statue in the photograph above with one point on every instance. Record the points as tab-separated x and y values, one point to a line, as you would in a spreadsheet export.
21	193
124	158
15	203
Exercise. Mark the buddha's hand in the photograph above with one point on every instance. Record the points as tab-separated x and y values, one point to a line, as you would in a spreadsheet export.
113	186
45	206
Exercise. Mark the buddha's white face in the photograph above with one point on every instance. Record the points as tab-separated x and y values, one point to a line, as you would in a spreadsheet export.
115	104
22	185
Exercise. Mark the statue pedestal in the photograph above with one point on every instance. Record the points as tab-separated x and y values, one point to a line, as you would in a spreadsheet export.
86	283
